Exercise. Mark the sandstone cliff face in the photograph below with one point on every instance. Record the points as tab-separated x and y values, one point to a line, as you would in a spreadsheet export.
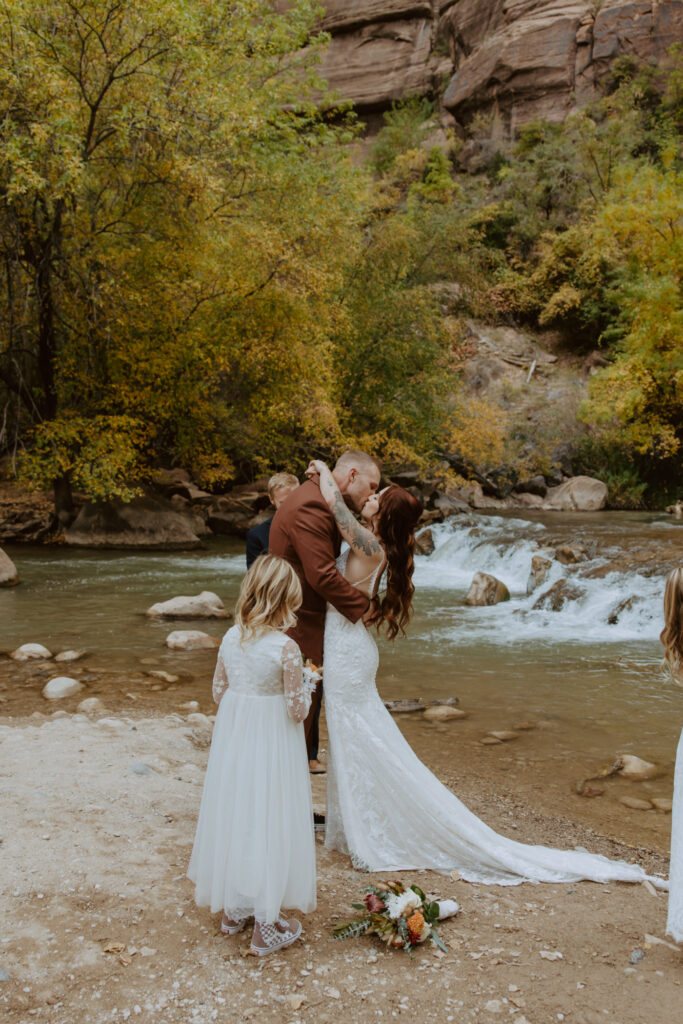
520	58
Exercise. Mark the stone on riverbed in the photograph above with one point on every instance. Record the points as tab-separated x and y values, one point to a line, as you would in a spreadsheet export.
439	713
663	804
9	577
61	686
206	605
635	803
504	735
540	567
27	652
90	706
555	598
632	767
69	655
424	542
190	640
486	590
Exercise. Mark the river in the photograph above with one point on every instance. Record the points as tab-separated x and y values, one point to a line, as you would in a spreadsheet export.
593	687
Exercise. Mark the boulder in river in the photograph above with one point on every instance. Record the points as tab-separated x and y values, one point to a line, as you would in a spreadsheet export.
29	652
578	494
206	605
486	590
190	640
557	596
571	554
61	686
9	577
540	567
145	522
424	542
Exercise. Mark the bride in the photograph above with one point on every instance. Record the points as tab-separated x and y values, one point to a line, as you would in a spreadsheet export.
385	809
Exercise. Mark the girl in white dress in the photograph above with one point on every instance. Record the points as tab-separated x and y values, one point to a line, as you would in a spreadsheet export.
254	849
384	807
672	638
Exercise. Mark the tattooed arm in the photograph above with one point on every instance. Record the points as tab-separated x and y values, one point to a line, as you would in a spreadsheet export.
361	540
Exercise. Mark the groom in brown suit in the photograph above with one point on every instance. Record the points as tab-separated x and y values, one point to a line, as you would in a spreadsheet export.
304	532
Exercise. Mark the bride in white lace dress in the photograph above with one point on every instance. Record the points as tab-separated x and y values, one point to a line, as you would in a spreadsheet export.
385	809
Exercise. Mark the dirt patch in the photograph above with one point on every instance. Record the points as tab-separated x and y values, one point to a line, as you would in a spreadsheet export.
100	923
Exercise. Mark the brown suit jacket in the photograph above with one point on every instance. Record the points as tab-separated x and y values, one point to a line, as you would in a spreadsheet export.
304	532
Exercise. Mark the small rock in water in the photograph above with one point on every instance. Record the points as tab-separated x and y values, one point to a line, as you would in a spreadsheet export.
439	713
490	741
69	655
90	706
29	651
525	726
190	640
166	677
663	804
190	705
570	554
504	735
486	590
197	718
636	957
635	803
200	606
61	686
633	767
494	1006
540	567
4	976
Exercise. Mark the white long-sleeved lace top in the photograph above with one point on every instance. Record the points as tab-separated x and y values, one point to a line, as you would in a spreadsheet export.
267	665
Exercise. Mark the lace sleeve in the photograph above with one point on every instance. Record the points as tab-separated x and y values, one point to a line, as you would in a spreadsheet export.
220	679
297	690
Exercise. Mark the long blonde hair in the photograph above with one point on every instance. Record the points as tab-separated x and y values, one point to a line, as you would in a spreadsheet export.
672	634
269	597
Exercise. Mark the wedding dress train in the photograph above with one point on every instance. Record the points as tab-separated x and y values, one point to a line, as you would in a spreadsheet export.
388	812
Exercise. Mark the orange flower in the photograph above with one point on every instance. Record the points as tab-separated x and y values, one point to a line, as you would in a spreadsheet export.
415	923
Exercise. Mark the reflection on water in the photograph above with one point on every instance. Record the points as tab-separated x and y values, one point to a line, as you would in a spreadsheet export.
596	676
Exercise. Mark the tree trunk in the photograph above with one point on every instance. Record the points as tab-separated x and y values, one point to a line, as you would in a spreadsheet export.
64	502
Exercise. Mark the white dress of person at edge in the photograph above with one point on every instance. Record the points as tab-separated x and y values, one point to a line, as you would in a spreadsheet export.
672	638
385	809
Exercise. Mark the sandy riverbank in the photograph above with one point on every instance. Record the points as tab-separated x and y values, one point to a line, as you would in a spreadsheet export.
100	925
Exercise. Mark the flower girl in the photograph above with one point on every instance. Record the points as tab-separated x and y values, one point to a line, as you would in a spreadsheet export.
254	849
672	638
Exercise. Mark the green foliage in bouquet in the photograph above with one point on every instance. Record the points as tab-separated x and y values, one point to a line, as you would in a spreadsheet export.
402	916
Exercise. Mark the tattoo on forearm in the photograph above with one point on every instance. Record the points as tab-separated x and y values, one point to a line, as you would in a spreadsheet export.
359	537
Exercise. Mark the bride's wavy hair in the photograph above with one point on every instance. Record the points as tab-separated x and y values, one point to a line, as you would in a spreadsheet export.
672	634
395	526
269	597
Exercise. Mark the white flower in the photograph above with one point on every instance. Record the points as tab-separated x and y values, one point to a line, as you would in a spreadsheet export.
311	678
398	905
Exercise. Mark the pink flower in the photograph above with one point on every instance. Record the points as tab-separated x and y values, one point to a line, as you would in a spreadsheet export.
373	903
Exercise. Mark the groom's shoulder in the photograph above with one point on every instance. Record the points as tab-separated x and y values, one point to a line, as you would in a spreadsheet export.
307	496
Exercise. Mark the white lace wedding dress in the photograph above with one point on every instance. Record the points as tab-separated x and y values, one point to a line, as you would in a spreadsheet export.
674	921
388	812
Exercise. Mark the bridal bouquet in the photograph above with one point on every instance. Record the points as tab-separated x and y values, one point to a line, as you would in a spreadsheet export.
312	674
400	916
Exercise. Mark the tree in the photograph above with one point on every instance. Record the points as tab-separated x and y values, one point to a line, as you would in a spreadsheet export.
173	217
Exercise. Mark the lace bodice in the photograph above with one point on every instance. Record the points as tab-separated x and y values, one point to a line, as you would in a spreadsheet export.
268	665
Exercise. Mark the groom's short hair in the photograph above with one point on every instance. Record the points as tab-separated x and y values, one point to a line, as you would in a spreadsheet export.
356	459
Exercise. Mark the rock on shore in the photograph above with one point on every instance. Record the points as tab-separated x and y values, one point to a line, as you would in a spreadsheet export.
142	523
9	577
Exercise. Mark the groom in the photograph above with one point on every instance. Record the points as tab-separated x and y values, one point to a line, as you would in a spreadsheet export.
304	532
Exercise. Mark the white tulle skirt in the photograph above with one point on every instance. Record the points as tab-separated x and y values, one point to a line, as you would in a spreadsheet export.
254	849
674	922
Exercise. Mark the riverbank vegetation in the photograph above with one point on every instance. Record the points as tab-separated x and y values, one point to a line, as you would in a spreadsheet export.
198	268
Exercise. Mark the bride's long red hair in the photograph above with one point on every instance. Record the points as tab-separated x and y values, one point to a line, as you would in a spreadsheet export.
395	526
